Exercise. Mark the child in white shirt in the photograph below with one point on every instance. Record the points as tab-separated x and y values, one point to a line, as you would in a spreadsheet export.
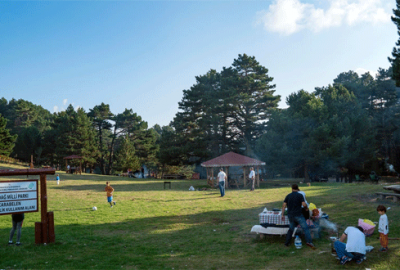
383	227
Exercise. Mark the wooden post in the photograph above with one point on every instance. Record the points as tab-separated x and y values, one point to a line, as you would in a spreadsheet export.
38	232
31	164
244	177
258	176
212	177
43	210
226	172
50	219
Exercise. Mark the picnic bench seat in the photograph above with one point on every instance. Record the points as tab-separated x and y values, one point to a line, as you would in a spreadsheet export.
382	195
173	176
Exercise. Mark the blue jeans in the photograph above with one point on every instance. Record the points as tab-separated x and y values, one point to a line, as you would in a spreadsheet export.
340	248
16	226
222	188
294	221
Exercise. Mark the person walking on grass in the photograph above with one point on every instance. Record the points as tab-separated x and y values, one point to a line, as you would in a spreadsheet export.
221	181
383	227
109	189
17	220
293	202
58	179
252	177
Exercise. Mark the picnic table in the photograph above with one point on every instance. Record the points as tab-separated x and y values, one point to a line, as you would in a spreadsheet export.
395	194
395	188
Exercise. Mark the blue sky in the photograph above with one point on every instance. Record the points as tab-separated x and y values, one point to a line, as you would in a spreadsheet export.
140	55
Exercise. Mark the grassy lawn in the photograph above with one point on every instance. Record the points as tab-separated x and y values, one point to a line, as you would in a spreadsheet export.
153	228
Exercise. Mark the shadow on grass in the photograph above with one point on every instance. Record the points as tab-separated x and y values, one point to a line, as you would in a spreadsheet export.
147	243
167	242
208	240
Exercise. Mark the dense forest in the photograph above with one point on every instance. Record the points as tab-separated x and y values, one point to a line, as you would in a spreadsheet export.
351	125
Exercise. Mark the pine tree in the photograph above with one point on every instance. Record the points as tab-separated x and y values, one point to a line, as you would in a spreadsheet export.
253	99
126	157
101	115
6	140
395	61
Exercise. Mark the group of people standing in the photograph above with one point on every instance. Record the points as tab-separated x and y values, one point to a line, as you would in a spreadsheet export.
222	178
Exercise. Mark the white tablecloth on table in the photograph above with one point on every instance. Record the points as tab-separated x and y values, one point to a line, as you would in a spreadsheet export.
270	230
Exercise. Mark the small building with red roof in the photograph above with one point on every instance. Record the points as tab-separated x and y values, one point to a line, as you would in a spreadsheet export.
232	159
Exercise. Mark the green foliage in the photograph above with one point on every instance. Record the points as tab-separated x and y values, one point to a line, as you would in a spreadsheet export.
224	111
319	132
395	61
75	136
6	139
124	124
171	147
126	156
101	115
29	142
29	122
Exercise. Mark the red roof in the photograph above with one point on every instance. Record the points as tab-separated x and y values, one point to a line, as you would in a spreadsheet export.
73	157
232	159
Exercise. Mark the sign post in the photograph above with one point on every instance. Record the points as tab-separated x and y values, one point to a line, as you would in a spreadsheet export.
19	197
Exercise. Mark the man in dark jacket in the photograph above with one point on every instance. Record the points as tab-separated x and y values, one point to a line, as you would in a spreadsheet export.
293	202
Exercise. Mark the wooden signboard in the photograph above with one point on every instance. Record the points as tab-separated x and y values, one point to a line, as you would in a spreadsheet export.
18	196
44	230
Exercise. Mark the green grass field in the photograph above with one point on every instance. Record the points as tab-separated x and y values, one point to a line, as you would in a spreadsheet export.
153	228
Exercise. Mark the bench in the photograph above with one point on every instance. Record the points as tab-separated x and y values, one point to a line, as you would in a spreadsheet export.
173	176
396	196
167	183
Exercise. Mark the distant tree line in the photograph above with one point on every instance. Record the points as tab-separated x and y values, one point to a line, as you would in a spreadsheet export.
110	142
351	125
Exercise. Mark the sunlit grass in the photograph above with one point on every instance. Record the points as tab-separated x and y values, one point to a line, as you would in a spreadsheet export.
153	228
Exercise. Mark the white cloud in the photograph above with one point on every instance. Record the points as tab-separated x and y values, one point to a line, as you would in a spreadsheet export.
361	71
289	16
55	109
65	101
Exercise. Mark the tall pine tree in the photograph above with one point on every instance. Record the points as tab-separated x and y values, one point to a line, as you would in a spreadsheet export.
395	61
6	140
101	115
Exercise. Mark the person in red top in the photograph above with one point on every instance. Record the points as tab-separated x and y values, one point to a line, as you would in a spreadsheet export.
109	189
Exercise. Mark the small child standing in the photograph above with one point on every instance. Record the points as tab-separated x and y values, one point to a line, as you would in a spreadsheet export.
383	227
58	179
109	189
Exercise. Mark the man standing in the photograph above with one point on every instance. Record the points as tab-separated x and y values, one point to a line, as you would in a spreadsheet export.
221	183
293	202
355	247
252	177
